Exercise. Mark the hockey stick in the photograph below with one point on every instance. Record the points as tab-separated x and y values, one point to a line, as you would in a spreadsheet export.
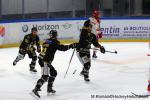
106	50
69	63
112	52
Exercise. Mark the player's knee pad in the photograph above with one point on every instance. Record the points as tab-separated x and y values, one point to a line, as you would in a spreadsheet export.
20	56
45	78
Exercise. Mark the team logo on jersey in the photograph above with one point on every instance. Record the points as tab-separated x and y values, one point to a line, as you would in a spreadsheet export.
2	31
66	25
25	28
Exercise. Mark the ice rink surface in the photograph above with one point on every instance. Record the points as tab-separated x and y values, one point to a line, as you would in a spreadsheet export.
111	74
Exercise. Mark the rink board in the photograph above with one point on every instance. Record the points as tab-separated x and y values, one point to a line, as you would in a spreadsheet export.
114	29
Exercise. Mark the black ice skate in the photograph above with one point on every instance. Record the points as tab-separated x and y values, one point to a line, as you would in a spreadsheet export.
14	63
86	79
35	94
32	69
94	56
85	75
50	91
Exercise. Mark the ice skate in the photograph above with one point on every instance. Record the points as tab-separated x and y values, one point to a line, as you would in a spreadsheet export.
32	69
94	56
50	91
85	75
35	94
14	63
86	79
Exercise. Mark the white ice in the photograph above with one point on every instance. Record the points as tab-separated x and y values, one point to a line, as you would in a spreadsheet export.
110	74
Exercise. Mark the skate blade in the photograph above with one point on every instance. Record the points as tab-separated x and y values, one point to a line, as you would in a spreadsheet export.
50	94
87	81
94	58
31	72
33	95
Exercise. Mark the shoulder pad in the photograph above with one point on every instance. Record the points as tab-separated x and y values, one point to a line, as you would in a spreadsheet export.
91	18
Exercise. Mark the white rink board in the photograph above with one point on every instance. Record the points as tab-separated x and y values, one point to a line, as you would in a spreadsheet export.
70	29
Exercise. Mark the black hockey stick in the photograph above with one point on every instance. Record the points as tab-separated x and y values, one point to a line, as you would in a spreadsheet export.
106	50
69	63
112	52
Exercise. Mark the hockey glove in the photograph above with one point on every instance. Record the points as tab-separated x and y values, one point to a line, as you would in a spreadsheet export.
31	49
102	49
73	45
99	35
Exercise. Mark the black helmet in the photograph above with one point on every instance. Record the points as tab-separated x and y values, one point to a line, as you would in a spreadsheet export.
87	24
34	29
53	34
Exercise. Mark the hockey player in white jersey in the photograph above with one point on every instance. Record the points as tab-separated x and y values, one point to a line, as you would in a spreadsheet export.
95	22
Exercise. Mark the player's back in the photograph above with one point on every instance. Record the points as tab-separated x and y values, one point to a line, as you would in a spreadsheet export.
86	39
49	48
